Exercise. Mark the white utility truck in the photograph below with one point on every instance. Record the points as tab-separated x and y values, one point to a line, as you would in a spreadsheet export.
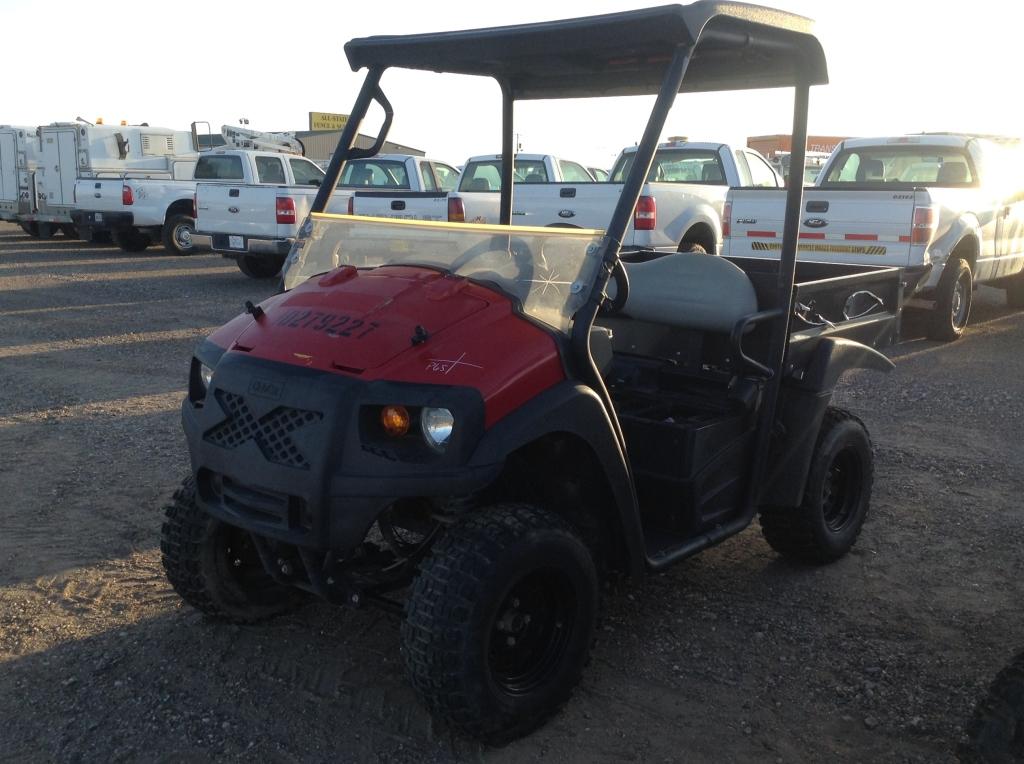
679	209
145	208
69	151
256	225
948	209
19	154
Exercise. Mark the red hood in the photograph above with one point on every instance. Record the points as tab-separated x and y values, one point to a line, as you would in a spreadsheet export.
359	320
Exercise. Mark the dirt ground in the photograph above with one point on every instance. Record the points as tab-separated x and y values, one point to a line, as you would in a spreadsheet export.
732	656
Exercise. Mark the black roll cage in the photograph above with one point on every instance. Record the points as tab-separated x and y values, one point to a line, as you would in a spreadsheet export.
704	46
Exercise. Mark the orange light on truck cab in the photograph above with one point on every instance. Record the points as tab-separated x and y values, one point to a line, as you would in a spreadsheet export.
395	420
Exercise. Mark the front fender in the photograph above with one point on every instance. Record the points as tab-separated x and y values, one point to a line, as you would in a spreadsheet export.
833	357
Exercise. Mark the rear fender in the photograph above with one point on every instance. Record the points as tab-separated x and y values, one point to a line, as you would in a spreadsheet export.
575	409
801	408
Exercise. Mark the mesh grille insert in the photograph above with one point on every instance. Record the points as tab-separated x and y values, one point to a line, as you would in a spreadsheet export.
272	431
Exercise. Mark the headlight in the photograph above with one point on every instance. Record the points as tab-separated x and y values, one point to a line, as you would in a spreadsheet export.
206	375
437	426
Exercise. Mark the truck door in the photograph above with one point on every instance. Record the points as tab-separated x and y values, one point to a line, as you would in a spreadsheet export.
8	169
59	167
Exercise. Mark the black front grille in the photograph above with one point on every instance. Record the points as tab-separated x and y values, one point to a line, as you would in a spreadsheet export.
272	432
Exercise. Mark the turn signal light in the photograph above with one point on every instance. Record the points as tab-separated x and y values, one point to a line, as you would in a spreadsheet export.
127	196
285	210
726	220
456	210
395	420
924	225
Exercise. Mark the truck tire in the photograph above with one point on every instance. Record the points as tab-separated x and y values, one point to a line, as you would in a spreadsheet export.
46	230
69	230
692	248
996	730
953	297
177	235
1015	292
32	229
257	267
500	621
214	567
836	498
131	239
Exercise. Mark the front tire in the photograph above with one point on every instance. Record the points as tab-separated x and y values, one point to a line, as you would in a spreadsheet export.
131	240
256	267
836	499
500	621
214	567
953	299
177	235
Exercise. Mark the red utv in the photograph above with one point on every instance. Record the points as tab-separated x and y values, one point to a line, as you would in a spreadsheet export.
492	418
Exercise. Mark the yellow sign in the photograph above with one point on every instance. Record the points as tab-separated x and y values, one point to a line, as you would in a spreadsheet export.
322	120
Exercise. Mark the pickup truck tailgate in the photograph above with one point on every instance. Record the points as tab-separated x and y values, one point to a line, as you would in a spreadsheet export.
249	211
835	226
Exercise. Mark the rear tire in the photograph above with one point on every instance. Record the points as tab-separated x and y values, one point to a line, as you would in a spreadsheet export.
46	230
953	298
131	240
256	267
996	731
69	231
836	498
32	229
214	566
500	621
177	235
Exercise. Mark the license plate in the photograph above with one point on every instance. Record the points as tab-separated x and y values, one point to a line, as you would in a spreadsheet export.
236	242
99	217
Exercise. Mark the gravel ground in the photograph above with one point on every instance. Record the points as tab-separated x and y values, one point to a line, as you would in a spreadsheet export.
733	656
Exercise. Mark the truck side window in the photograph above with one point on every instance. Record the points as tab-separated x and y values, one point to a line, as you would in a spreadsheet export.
447	177
219	167
761	173
269	170
306	173
573	173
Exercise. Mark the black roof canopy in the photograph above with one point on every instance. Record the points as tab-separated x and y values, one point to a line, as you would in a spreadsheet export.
737	46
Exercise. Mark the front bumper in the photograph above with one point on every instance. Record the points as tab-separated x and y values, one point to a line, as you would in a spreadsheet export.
94	219
239	246
280	451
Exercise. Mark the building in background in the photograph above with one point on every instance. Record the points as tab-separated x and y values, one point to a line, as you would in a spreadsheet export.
769	145
320	144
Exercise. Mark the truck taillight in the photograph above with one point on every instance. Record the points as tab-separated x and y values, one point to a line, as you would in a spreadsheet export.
285	208
646	216
195	207
923	228
127	197
351	205
727	220
456	210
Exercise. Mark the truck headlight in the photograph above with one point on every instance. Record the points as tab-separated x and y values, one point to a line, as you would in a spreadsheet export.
206	375
437	425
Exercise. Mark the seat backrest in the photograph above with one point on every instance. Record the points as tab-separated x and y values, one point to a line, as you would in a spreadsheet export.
870	170
479	184
533	177
703	292
711	173
952	172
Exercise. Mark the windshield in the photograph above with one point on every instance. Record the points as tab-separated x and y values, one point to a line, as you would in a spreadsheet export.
676	166
548	270
915	165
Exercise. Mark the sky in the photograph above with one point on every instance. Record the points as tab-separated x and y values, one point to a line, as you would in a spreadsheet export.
895	67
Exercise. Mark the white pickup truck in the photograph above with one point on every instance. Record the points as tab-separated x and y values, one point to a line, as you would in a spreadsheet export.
679	209
256	226
948	209
250	203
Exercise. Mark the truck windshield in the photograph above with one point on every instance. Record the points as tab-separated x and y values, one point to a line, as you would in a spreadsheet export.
547	270
914	165
676	166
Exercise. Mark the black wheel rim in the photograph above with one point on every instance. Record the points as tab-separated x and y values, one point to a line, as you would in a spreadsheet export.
531	631
840	493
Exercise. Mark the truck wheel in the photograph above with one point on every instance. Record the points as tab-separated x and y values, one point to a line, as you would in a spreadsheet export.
46	230
953	298
32	229
69	231
177	235
260	267
828	521
1015	292
996	731
500	621
214	567
131	239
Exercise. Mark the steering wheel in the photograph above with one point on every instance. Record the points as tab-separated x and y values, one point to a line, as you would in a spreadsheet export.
621	280
517	252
